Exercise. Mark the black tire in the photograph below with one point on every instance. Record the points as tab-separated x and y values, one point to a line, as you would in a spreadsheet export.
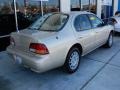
70	60
109	42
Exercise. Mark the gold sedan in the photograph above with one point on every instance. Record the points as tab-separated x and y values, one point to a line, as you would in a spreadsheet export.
59	39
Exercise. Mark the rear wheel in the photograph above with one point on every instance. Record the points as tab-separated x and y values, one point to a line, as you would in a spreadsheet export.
109	42
73	60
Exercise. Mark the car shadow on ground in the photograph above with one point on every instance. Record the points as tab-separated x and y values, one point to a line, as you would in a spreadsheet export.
5	84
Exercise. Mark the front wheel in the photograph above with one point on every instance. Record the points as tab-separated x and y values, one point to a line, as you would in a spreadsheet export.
73	60
109	42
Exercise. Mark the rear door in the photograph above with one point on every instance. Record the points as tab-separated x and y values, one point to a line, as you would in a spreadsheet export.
100	29
85	34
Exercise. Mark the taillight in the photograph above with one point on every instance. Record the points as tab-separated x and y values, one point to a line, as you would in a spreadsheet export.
12	42
38	48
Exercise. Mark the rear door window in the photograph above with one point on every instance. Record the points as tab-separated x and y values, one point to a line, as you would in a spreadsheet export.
82	23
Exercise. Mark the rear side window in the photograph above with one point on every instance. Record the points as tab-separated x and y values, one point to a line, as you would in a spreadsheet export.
82	23
96	22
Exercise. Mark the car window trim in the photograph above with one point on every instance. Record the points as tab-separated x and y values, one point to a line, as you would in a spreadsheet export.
64	23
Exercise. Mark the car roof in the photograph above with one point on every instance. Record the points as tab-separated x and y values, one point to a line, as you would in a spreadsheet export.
79	12
74	12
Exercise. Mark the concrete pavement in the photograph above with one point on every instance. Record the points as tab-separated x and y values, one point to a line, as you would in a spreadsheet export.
99	70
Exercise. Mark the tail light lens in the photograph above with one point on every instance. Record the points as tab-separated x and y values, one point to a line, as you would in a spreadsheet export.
12	42
38	48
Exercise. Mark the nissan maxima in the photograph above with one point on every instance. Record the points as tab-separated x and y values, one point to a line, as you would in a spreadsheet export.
59	39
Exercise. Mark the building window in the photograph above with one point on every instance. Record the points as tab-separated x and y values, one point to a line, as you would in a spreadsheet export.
107	9
75	5
93	6
30	8
51	6
84	5
34	7
118	5
6	6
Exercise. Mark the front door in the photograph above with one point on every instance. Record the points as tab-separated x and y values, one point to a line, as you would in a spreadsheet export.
99	28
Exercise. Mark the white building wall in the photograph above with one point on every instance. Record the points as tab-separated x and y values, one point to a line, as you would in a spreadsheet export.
115	6
65	5
99	8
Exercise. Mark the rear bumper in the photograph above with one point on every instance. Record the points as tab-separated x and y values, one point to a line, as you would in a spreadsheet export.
35	62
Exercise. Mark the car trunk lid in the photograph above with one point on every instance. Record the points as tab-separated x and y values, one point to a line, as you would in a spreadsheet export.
24	38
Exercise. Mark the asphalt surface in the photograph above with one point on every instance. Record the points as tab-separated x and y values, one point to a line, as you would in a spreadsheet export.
99	70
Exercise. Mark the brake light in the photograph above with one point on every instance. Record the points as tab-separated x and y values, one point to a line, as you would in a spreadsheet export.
12	42
38	48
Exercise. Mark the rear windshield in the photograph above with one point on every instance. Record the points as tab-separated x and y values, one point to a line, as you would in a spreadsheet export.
50	22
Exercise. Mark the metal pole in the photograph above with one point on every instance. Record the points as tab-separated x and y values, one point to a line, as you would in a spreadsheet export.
15	11
80	4
41	7
89	6
25	5
109	11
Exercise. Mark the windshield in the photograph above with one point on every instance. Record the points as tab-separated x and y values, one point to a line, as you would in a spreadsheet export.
50	22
